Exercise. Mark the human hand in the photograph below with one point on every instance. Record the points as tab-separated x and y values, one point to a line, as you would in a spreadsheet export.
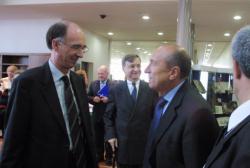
104	99
96	99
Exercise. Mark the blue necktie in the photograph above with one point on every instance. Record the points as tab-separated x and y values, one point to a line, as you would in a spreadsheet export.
158	113
134	91
156	120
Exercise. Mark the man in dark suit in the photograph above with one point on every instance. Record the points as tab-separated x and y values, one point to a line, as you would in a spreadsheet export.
98	97
232	149
183	129
128	114
49	121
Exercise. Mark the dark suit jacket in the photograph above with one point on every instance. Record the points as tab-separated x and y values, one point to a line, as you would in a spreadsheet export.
36	134
99	108
233	150
129	122
185	135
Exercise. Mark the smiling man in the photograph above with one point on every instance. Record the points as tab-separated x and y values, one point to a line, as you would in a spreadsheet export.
183	129
49	121
128	114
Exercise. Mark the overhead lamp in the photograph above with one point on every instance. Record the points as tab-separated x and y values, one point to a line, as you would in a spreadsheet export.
237	17
209	45
138	48
129	43
164	42
145	17
110	33
160	33
227	34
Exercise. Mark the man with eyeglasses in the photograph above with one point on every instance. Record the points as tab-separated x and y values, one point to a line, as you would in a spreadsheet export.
49	124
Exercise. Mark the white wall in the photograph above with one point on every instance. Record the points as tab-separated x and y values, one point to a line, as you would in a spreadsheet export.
225	59
98	53
24	36
28	36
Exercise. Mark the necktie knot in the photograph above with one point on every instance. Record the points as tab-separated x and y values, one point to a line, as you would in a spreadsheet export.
65	79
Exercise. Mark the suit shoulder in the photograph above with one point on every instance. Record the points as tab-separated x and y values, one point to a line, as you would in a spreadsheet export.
31	73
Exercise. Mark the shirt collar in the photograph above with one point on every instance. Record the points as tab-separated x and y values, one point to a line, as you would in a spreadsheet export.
170	95
56	73
239	115
130	82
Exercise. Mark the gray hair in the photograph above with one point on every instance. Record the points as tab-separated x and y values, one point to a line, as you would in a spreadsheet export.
241	49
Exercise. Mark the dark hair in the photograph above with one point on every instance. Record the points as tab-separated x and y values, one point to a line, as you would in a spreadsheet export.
129	58
241	49
181	59
57	30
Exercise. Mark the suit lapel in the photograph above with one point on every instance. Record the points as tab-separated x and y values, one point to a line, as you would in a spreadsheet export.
97	86
222	141
77	86
48	90
139	100
170	114
127	94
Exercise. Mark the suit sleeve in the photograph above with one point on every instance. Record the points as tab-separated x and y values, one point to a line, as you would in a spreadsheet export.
109	117
17	131
91	94
199	136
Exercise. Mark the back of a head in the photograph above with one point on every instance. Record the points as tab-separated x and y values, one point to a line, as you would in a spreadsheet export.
241	49
181	59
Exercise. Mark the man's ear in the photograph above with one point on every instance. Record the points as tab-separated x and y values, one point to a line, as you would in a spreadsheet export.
175	73
55	44
236	69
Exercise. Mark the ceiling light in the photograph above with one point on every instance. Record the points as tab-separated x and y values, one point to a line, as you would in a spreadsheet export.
145	17
227	34
164	42
209	45
129	43
110	33
160	33
237	17
138	48
145	52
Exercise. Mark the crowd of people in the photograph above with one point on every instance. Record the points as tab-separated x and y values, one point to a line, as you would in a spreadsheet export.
164	123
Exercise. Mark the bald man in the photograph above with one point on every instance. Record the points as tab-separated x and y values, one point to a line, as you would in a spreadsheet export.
49	124
98	96
183	129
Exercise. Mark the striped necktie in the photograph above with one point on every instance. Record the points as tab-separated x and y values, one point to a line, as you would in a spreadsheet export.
75	125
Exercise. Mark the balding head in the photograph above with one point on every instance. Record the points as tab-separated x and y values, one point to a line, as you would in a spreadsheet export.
103	73
11	71
168	66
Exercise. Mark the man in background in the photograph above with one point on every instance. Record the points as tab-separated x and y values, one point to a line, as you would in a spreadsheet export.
49	122
98	97
5	86
183	129
7	81
232	148
128	115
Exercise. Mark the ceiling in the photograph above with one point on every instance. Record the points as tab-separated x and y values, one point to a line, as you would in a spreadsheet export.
212	18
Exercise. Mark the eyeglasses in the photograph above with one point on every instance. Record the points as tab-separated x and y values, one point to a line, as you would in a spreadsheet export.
77	47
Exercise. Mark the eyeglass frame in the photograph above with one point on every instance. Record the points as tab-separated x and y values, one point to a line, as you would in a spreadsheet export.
74	46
